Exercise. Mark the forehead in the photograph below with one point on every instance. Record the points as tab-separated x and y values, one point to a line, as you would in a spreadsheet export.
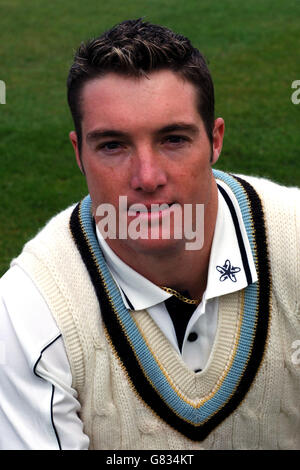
116	100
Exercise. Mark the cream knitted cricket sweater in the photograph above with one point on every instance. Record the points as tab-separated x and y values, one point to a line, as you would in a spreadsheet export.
135	391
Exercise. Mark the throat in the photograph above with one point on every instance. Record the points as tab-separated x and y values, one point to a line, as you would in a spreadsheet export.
185	277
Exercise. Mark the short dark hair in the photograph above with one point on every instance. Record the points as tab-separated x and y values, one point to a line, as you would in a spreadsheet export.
135	48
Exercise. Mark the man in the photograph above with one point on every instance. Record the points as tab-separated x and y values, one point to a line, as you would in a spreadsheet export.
118	332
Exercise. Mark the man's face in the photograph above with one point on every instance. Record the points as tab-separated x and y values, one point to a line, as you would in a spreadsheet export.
143	138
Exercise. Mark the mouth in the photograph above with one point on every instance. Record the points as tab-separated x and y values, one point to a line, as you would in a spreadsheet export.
150	210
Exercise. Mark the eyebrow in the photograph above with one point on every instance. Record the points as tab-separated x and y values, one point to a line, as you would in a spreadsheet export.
100	134
180	126
176	127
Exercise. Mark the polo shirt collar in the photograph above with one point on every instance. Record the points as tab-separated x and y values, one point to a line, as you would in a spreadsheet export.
231	265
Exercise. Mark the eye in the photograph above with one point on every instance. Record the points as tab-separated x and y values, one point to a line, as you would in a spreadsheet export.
176	140
110	147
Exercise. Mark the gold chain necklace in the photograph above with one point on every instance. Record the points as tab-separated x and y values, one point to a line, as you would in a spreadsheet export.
180	296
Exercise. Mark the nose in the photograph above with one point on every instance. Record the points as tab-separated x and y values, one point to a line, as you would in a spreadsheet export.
148	173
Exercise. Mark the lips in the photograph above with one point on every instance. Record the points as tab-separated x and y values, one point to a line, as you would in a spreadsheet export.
149	209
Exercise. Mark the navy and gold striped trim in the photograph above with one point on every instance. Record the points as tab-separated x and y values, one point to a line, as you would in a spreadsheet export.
195	420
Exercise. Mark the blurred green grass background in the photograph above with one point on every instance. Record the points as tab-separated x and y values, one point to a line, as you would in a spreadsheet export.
253	50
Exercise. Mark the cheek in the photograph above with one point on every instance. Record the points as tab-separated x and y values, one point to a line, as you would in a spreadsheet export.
195	184
97	182
198	174
105	184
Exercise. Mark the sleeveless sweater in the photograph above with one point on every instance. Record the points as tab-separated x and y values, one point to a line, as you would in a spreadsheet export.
135	391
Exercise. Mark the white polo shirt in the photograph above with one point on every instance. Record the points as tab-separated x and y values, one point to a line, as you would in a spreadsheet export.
38	406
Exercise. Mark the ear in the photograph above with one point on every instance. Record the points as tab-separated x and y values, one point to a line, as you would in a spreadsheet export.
74	142
218	135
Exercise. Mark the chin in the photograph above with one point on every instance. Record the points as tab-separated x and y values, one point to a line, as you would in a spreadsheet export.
156	247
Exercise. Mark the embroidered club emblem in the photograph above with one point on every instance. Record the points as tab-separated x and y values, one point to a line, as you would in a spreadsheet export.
228	271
